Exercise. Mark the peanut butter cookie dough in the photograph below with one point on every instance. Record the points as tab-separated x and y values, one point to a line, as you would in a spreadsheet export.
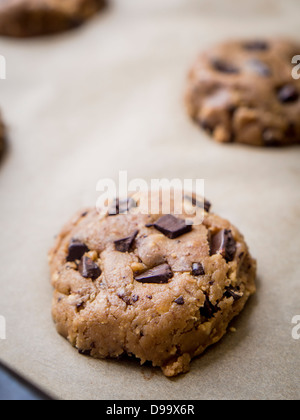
244	92
148	286
28	18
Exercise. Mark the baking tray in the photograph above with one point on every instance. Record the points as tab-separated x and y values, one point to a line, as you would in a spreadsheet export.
84	105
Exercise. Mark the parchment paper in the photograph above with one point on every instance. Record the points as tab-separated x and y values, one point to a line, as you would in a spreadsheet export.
108	97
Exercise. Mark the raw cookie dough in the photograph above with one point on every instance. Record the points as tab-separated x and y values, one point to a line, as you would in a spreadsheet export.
244	92
148	286
27	18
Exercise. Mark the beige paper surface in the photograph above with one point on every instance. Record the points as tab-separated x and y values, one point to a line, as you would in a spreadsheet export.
83	105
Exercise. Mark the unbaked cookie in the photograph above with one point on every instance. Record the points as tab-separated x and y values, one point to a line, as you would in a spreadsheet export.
149	286
244	92
27	18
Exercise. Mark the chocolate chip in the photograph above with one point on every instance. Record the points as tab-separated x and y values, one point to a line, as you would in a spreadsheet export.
76	250
288	94
125	244
80	306
125	298
121	206
172	227
198	203
270	138
160	274
84	352
260	68
208	310
179	301
224	67
198	270
206	125
88	269
223	243
207	206
233	292
256	46
135	298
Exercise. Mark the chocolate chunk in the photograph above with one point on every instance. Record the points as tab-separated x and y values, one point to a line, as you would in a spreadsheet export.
125	244
121	206
198	203
160	274
114	208
256	46
223	243
125	298
179	301
207	206
80	306
88	269
270	138
135	298
206	125
198	270
84	352
233	292
76	250
172	227
260	68
288	94
208	310
224	67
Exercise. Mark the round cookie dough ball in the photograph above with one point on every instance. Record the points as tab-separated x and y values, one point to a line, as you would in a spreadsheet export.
28	18
150	286
245	92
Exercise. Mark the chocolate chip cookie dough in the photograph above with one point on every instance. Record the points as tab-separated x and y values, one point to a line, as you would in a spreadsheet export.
27	18
149	286
244	92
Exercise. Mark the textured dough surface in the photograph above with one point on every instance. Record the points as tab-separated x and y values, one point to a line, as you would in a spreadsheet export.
27	18
244	92
167	324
